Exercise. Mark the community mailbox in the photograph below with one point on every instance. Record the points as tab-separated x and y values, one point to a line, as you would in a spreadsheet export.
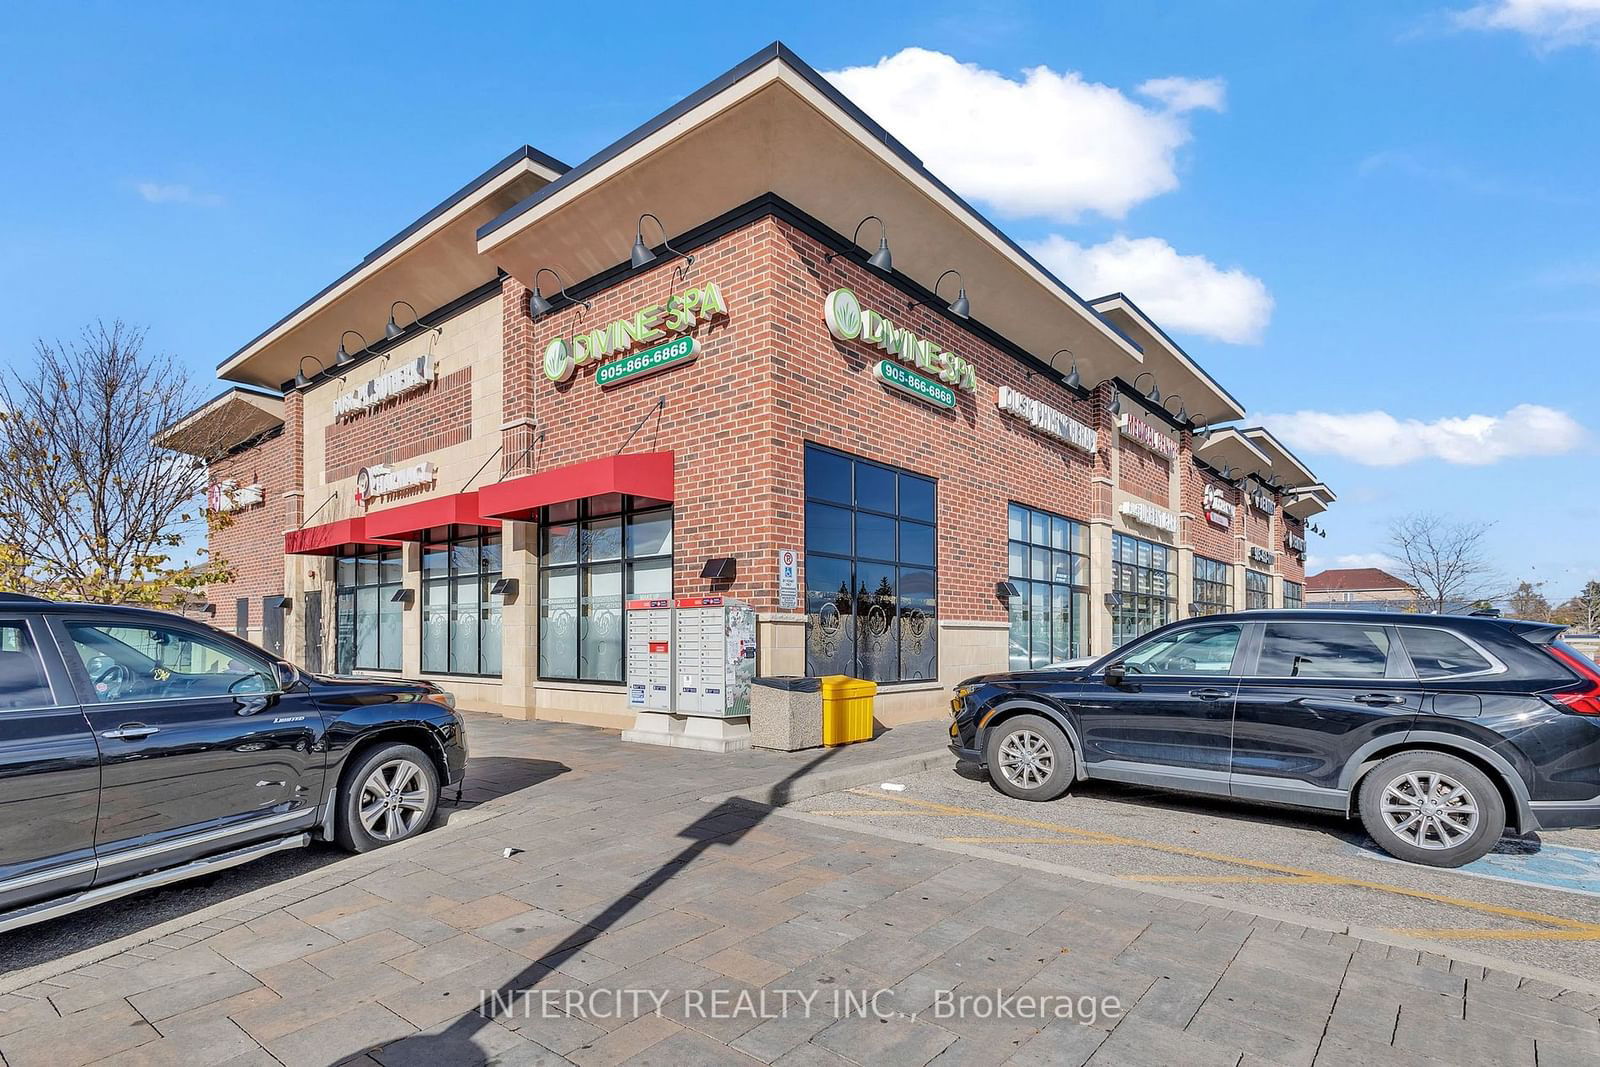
715	656
650	653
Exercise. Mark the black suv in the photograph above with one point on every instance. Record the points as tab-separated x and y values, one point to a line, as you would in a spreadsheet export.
1438	731
138	748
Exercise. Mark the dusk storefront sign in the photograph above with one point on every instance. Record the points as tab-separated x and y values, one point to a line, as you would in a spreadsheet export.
408	377
1047	420
1261	555
1262	501
849	321
1294	543
680	313
1219	509
229	496
1143	433
1149	515
381	480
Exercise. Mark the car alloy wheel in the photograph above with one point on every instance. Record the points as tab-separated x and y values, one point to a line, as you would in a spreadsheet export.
1429	810
1026	759
395	798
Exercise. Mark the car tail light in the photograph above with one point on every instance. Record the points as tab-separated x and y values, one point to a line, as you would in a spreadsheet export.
1584	699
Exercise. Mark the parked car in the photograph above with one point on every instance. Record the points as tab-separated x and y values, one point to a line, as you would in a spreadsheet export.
1438	732
138	748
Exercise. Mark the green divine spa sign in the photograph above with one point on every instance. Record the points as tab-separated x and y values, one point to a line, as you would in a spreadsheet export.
910	382
660	357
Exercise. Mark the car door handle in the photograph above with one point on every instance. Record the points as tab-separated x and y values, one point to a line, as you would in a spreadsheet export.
1379	700
131	731
1210	694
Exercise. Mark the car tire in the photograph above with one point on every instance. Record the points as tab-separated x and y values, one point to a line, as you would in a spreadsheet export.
1030	758
1430	808
390	794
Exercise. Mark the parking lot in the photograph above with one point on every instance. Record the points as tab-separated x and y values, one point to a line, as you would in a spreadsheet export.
1533	902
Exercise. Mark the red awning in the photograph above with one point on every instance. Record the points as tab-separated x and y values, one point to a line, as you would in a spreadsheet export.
411	522
331	538
641	474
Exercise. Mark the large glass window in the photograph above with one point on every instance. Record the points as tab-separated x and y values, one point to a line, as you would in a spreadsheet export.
460	616
1142	574
1257	590
1213	587
1049	565
369	619
1323	650
595	554
1294	594
871	576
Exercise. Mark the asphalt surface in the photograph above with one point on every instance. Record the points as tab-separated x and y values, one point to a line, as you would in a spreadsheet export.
1534	902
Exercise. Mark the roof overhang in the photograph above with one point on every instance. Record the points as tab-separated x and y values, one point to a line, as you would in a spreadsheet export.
430	263
648	474
773	125
411	522
1295	474
224	422
1309	500
1174	371
1228	448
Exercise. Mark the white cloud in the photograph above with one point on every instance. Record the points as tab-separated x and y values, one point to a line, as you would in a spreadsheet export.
1378	439
1181	292
1051	145
1551	23
1365	559
175	193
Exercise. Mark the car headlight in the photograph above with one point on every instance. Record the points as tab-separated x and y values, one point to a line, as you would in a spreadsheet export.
442	698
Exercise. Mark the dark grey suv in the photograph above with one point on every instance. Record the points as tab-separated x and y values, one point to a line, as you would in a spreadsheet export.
138	748
1439	732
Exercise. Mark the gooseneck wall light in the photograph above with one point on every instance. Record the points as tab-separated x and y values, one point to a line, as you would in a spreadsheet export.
343	358
1182	414
882	259
538	305
960	307
642	255
394	329
1115	407
300	379
1153	394
1072	379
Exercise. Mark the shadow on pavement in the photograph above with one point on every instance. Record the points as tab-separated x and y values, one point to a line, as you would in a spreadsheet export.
723	825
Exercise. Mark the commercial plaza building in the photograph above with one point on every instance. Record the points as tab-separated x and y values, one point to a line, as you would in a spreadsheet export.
461	459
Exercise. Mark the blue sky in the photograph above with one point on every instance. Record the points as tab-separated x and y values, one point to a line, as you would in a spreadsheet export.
1389	211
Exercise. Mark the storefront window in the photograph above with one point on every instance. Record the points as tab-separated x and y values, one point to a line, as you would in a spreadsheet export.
1257	590
594	555
1294	594
1142	573
460	616
1049	565
370	620
1213	587
871	579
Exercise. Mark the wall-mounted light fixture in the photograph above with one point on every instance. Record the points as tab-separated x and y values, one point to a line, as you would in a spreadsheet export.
1113	599
506	587
209	609
1153	394
1183	409
1072	379
642	255
300	379
538	305
960	307
394	329
1005	590
1203	430
721	569
342	358
285	603
881	258
1115	407
403	596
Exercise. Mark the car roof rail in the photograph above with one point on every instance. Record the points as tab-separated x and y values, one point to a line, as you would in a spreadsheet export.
22	598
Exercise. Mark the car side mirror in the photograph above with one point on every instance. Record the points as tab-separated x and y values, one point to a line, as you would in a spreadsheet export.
287	675
1116	674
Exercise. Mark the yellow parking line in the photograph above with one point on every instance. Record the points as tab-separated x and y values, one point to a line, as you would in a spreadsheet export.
1015	841
1220	879
1577	930
896	814
1487	934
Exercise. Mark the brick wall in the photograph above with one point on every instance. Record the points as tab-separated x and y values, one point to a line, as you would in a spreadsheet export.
403	428
250	542
1144	473
1208	539
1288	564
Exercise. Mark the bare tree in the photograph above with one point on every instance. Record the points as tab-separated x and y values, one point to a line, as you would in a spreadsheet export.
93	509
1582	612
1528	602
1444	560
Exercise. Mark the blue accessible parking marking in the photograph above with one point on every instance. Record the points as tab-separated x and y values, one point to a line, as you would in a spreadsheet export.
1528	862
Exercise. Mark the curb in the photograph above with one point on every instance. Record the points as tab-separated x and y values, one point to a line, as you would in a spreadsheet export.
1563	982
834	779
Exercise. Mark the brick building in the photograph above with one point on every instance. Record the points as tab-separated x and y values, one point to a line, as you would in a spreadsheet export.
510	426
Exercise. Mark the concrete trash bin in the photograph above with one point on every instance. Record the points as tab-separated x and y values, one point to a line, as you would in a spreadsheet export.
786	713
